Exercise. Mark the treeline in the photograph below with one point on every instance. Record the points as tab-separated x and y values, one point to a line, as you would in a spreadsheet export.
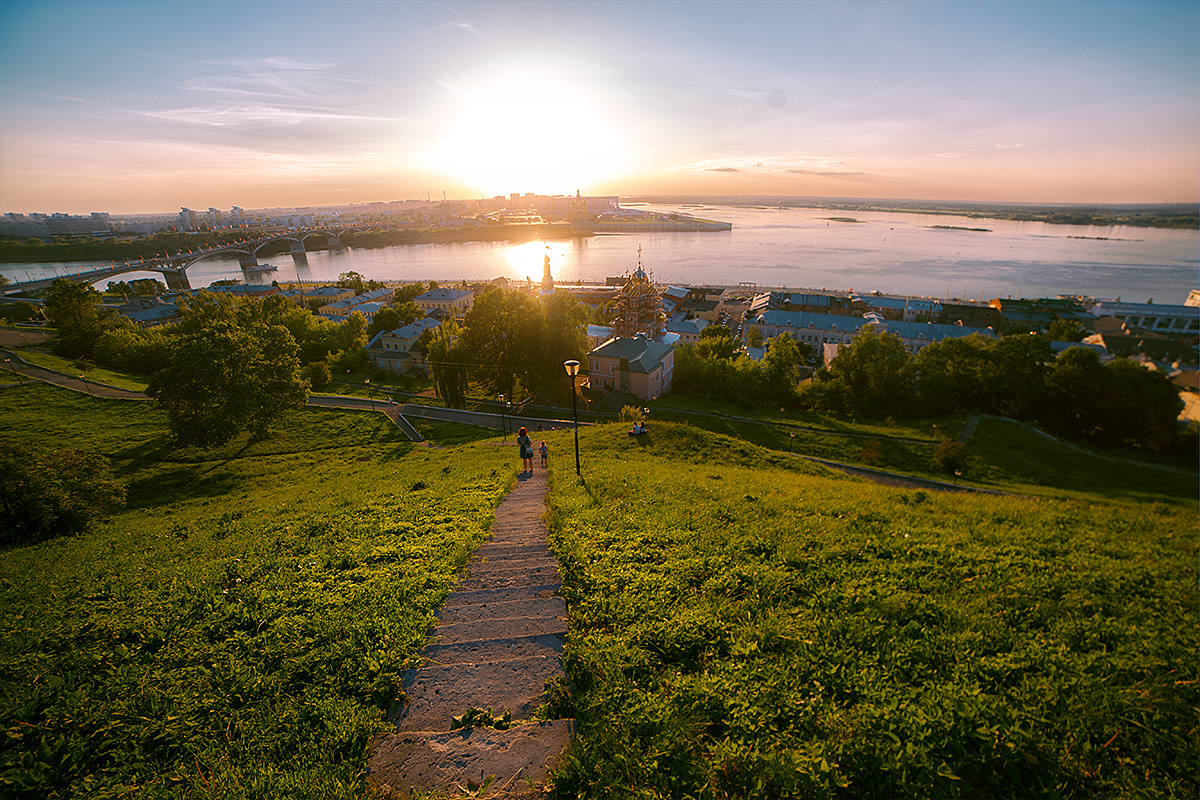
712	368
34	250
1117	404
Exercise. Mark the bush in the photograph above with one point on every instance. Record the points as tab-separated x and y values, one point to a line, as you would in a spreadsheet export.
951	458
317	374
45	493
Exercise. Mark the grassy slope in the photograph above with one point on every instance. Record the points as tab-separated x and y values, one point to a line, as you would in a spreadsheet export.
745	626
240	629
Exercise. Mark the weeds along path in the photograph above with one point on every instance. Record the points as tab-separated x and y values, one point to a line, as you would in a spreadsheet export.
498	639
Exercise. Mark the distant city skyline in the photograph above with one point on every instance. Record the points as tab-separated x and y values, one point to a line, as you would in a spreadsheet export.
132	107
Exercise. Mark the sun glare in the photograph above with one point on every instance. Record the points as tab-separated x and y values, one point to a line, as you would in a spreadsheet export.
530	132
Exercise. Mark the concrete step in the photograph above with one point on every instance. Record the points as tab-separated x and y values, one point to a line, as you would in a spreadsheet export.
545	645
504	628
437	694
404	763
502	594
550	607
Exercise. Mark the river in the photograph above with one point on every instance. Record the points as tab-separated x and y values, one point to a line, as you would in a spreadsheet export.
797	248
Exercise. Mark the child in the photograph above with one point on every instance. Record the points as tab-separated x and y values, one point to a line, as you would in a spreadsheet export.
545	451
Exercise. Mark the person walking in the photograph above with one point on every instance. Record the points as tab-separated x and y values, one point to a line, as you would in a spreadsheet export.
545	452
526	445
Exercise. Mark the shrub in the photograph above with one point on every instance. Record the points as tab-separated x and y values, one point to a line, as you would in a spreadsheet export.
45	492
951	458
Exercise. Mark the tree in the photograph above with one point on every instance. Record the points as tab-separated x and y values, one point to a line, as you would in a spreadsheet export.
1066	330
781	367
225	379
352	280
754	337
872	376
566	330
74	310
506	334
45	492
716	341
952	375
447	356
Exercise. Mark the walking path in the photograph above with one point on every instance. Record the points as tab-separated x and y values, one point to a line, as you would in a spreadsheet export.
498	639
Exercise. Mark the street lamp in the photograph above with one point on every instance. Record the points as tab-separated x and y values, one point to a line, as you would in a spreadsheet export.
16	374
86	386
508	407
572	368
370	396
503	424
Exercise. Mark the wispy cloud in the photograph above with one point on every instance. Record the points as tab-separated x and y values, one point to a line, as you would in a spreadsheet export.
66	98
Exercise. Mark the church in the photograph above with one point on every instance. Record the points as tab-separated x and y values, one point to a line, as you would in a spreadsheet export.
638	358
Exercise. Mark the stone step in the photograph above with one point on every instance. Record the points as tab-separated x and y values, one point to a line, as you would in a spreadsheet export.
436	694
504	609
508	580
504	568
546	645
500	595
404	763
535	548
503	628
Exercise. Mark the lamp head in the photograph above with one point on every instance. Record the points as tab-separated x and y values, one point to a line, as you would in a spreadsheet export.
572	367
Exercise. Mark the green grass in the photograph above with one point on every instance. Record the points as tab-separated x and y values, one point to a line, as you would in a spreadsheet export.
239	630
67	366
1005	457
762	629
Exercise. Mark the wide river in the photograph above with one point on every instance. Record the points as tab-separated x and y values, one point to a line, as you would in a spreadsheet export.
796	248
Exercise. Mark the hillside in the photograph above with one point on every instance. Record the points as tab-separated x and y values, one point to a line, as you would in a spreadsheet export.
743	623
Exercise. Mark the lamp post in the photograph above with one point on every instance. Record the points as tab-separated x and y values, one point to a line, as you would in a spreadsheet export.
572	368
86	386
503	424
16	374
370	396
508	408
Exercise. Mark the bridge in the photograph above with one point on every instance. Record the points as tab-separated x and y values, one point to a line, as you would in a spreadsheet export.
174	267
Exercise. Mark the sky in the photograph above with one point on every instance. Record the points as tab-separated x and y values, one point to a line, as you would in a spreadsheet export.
140	107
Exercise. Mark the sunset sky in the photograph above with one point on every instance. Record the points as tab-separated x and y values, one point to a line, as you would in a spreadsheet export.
127	107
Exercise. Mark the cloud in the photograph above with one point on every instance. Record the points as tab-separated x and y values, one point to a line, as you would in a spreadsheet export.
1008	146
722	169
64	97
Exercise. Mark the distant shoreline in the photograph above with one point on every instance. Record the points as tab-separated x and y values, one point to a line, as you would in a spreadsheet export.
1183	216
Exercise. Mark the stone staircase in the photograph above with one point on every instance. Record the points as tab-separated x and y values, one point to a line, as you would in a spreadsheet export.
498	639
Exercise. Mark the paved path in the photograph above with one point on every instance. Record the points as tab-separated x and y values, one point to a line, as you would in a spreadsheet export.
498	639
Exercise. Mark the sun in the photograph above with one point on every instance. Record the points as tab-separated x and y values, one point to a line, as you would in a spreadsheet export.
530	131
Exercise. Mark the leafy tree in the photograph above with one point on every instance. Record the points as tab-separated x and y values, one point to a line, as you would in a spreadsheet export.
506	334
781	367
224	379
873	376
566	330
45	492
754	337
448	360
75	311
953	375
1017	378
134	350
317	374
1142	406
352	280
1067	330
1075	395
716	341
